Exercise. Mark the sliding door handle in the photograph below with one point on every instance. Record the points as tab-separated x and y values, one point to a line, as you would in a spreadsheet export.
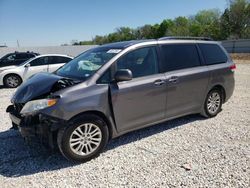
159	82
173	79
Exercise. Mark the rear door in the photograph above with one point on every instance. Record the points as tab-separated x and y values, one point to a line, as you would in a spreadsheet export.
56	62
187	78
142	100
37	65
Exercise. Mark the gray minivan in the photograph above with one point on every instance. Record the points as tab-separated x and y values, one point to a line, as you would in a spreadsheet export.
116	88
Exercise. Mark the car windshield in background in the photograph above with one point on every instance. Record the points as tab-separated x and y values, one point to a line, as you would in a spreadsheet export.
86	64
5	57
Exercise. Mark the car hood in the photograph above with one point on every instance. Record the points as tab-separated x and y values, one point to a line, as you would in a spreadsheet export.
38	85
7	67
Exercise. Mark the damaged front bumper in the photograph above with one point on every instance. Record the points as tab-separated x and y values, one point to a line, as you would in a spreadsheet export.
40	126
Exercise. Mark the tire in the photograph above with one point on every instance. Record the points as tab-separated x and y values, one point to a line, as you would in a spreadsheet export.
78	148
12	81
213	103
14	126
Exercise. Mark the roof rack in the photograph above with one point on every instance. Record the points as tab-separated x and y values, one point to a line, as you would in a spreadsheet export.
186	38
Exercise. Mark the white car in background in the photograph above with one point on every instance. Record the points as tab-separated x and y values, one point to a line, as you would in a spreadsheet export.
13	76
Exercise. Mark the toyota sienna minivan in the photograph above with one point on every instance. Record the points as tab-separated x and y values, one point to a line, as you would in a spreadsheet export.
116	88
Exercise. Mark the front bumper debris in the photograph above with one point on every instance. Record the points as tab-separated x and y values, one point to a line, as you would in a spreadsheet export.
39	126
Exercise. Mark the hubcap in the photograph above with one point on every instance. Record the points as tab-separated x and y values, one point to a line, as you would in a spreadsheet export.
213	102
12	81
85	139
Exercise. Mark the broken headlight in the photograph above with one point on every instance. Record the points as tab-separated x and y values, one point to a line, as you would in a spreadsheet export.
36	105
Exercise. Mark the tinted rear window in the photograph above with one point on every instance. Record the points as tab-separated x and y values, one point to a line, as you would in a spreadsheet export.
213	54
180	56
21	56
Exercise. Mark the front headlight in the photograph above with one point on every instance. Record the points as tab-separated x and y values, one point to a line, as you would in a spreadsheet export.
36	105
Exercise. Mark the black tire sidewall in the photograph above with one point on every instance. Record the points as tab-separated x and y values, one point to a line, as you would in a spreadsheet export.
63	139
7	76
205	105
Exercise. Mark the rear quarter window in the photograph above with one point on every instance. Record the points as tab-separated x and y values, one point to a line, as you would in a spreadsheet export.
213	54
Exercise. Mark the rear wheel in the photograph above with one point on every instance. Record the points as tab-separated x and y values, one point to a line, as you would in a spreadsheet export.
84	138
12	81
213	103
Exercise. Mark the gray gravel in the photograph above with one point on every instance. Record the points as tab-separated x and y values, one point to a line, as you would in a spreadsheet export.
189	151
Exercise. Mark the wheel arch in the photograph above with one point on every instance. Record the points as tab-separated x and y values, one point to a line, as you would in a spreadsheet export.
220	88
101	115
8	74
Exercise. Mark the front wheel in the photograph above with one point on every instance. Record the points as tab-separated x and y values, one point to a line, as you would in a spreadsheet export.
213	103
84	138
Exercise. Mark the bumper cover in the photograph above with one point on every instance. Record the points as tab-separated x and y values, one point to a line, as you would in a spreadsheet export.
39	125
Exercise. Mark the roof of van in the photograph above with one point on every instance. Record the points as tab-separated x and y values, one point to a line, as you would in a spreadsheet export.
125	44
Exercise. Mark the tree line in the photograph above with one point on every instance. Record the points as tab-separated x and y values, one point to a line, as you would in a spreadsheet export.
233	23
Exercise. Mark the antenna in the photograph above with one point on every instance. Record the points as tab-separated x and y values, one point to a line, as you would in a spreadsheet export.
17	43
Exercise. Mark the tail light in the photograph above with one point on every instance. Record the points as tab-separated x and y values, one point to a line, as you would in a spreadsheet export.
232	67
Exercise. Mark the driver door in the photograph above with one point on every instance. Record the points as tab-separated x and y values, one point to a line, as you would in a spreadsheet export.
35	66
142	100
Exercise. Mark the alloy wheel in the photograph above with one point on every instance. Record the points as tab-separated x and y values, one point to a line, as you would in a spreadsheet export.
12	81
213	102
85	139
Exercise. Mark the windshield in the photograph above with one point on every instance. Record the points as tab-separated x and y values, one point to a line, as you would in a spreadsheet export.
5	57
86	64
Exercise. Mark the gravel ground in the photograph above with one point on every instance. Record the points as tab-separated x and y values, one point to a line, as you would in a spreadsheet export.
189	151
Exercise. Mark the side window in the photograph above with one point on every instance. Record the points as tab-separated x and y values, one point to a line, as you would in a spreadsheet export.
105	78
65	59
141	62
30	55
39	61
58	60
21	56
213	54
179	56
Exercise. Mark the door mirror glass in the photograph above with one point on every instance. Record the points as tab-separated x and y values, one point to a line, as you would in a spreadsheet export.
123	75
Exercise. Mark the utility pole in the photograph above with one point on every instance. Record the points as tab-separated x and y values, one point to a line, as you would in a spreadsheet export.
17	43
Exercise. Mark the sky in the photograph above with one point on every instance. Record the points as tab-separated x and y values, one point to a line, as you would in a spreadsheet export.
56	22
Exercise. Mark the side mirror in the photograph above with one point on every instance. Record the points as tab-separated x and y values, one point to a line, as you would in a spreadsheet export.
27	65
123	75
